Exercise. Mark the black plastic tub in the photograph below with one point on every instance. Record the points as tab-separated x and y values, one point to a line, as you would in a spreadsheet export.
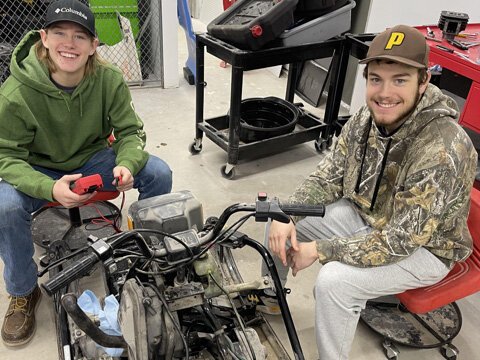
314	8
263	118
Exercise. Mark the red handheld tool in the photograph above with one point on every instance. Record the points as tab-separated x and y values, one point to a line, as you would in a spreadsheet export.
87	184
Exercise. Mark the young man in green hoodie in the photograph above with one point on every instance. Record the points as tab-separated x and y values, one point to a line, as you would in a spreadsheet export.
397	188
57	111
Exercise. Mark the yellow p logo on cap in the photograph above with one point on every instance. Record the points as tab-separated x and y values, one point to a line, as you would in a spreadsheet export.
396	38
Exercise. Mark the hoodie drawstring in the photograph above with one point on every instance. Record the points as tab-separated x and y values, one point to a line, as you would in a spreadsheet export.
65	99
382	169
379	178
81	105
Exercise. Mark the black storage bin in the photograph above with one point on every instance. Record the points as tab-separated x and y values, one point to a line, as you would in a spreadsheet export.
315	8
264	118
250	24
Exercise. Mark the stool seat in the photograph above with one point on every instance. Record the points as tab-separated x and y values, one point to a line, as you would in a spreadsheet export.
99	196
463	279
54	225
429	317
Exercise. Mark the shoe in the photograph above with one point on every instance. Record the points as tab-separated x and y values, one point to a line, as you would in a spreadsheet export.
19	323
267	304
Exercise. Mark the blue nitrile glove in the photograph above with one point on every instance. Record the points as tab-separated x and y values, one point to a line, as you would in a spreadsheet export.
89	303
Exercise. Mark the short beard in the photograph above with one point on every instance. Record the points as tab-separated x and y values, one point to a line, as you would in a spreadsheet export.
400	120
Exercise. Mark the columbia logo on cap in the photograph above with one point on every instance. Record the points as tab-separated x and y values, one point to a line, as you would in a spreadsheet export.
70	10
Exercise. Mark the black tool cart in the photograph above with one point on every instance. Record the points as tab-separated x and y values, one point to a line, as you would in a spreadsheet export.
242	132
225	130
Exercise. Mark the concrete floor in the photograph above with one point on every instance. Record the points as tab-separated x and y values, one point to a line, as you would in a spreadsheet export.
169	117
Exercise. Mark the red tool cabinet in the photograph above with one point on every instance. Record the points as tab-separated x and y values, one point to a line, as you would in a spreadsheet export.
470	116
469	70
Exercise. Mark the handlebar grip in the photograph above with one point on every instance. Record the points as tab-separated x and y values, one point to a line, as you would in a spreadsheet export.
72	272
303	210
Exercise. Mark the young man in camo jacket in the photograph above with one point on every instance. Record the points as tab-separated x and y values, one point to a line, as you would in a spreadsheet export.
397	189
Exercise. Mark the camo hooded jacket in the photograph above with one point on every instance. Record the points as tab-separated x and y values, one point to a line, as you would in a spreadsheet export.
412	187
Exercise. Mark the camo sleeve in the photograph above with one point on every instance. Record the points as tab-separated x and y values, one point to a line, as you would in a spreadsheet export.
325	184
431	211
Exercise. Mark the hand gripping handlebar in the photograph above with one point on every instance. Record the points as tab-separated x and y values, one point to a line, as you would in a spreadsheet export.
265	209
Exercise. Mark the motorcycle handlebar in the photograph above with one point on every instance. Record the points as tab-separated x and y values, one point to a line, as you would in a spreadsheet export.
72	272
303	210
99	250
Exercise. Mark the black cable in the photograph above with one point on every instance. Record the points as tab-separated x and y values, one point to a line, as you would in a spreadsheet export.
167	310
153	231
219	332
136	257
236	225
96	227
60	261
218	239
119	215
127	251
118	238
149	272
239	318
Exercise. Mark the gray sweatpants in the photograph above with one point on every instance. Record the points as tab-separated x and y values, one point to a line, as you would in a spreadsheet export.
341	291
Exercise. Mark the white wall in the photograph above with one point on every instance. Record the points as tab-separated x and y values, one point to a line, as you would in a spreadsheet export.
169	43
388	13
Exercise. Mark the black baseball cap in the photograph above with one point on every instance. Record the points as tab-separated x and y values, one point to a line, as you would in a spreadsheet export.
401	43
71	10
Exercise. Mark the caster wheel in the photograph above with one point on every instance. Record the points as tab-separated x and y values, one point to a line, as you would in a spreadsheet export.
390	350
320	146
329	141
230	175
449	352
188	75
194	149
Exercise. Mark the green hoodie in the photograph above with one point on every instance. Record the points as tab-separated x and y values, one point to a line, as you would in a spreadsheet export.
45	126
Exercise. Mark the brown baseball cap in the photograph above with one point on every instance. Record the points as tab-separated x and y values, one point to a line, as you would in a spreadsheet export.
403	44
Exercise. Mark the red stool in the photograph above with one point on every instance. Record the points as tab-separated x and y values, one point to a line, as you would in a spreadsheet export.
429	317
54	226
227	4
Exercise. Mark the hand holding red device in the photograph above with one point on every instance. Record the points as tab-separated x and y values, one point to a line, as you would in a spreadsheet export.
87	184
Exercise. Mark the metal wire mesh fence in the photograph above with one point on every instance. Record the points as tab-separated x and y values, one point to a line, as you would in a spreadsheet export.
129	32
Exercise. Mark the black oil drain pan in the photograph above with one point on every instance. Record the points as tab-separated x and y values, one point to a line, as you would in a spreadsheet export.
263	118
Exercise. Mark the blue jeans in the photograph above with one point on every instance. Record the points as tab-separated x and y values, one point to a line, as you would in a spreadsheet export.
16	245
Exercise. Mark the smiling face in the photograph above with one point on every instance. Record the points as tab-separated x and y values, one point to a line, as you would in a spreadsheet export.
393	91
69	46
